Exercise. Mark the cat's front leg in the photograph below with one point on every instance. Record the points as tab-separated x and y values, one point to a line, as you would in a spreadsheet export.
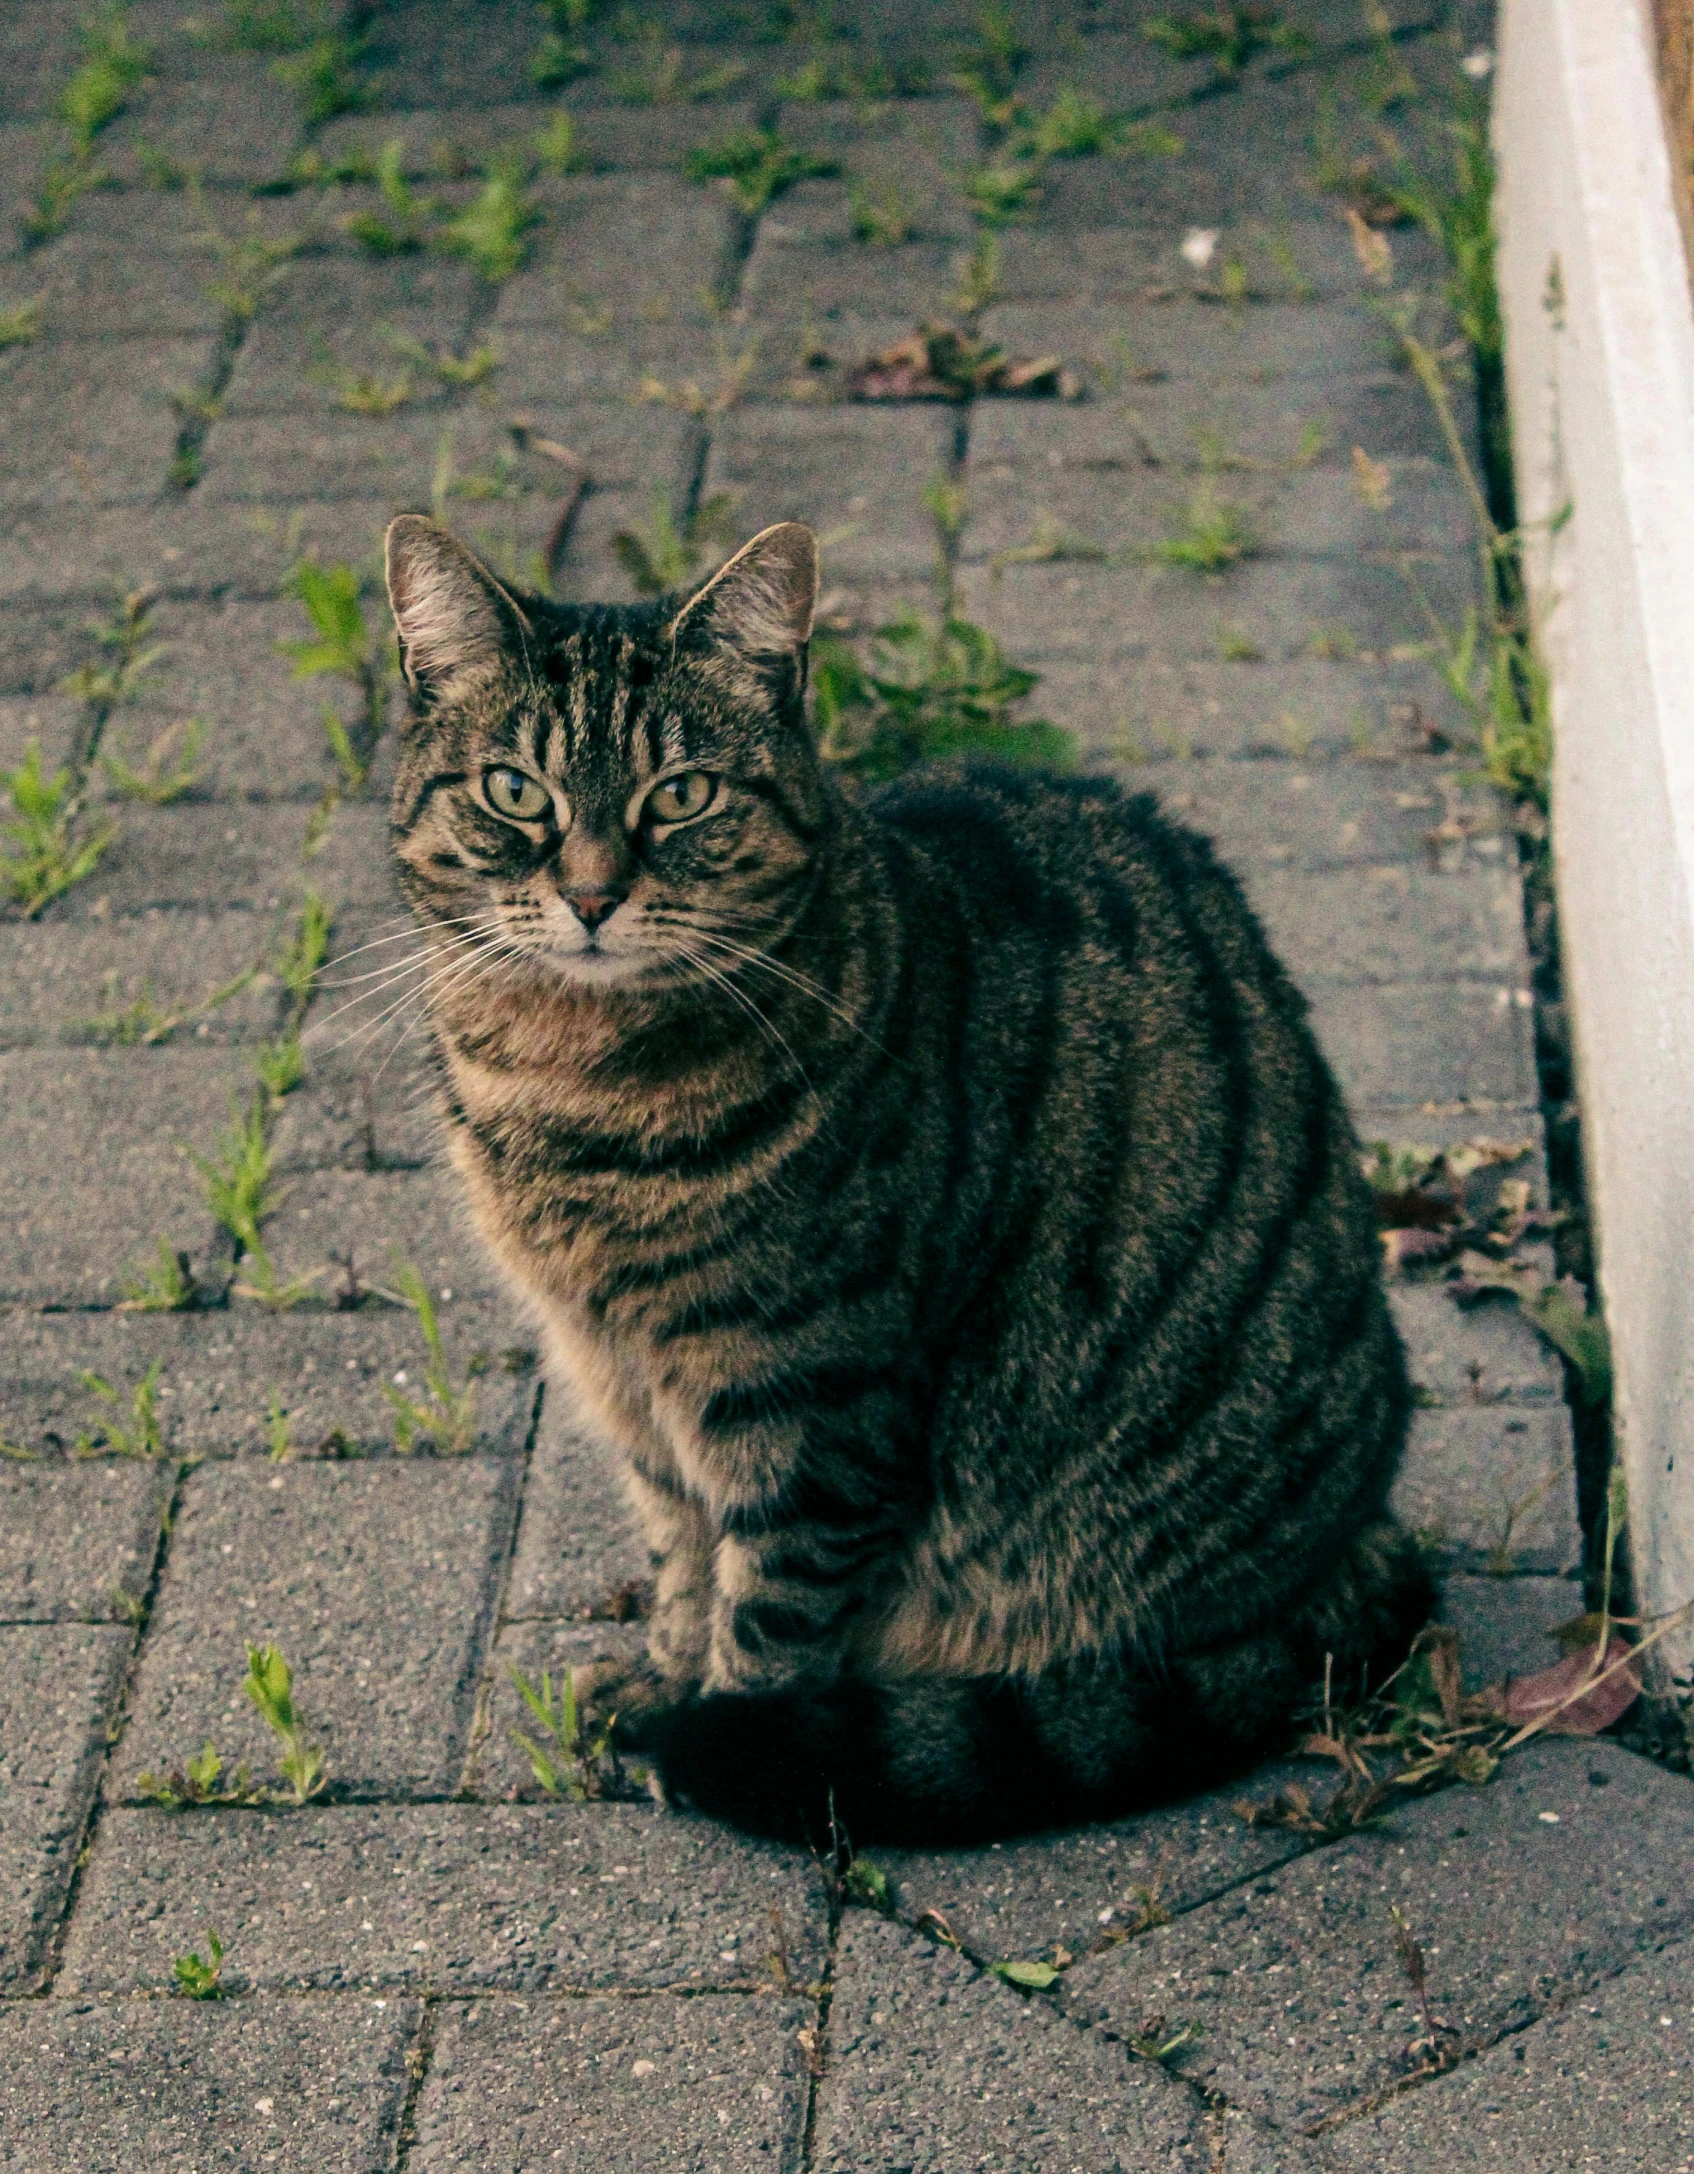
680	1539
785	1606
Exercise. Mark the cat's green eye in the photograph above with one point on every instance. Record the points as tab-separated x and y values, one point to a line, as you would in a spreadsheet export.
511	792
680	799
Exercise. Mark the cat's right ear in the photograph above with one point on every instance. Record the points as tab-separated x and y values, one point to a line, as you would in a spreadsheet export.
454	620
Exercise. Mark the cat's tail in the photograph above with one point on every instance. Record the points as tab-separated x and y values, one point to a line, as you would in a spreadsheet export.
942	1760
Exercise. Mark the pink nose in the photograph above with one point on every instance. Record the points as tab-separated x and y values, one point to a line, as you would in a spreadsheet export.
593	907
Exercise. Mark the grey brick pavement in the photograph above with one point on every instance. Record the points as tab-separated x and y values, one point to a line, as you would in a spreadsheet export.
437	1966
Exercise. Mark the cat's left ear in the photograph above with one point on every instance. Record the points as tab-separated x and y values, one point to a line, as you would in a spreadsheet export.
454	620
760	605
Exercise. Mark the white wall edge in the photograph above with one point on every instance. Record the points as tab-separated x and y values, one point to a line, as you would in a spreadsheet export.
1600	369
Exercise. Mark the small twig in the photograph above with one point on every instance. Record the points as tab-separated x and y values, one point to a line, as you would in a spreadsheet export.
576	490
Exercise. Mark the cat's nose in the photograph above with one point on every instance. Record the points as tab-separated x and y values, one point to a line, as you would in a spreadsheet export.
593	907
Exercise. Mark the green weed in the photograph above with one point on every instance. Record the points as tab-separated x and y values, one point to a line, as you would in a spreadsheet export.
979	275
198	1782
1228	37
343	647
281	1064
836	75
470	368
269	1683
130	1427
492	231
171	767
239	1183
324	78
987	71
279	1444
867	1884
364	392
165	1287
339	741
42	853
929	693
60	186
661	76
669	552
1034	1977
20	322
250	264
201	1977
303	956
128	659
406	226
1004	190
1074	126
557	149
114	63
755	165
269	26
883	210
561	56
1211	533
445	1414
566	1757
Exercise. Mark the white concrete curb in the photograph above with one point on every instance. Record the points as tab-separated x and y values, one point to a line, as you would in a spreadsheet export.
1600	369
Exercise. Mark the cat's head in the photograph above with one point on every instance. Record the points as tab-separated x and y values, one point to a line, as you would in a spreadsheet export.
621	795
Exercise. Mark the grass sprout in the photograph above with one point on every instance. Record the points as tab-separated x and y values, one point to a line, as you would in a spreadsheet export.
165	1286
130	1425
406	226
1212	533
492	231
445	1414
884	212
1228	37
42	851
324	77
20	322
114	64
669	552
755	165
200	1977
928	692
170	768
269	1683
567	1757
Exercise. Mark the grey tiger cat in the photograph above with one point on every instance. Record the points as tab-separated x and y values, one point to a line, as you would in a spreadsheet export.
938	1198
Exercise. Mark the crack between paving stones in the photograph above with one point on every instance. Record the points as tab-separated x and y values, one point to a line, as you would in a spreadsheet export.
418	2057
52	1955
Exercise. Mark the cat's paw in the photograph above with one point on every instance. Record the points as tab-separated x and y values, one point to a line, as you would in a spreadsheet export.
622	1691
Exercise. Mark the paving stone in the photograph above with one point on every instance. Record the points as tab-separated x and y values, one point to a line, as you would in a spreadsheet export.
221	1372
195	857
1136	710
330	455
452	1898
377	1580
1120	504
1606	2086
1310	815
369	1101
1488	1481
921	146
129	264
818	311
856	474
100	1156
622	250
651	2085
77	1540
1092	1885
499	1767
1287	260
578	1539
264	734
296	2087
1506	1625
1483	1355
92	419
1278	606
388	1218
51	722
341	314
1393	923
931	2065
1181	338
643	139
220	115
1419	1042
75	982
1301	2005
59	1687
180	545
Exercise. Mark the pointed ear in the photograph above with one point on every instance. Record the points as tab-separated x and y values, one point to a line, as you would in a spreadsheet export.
454	620
761	604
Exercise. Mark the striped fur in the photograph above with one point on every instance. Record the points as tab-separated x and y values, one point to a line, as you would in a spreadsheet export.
939	1199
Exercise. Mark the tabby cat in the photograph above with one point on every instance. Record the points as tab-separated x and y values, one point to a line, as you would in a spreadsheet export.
937	1197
